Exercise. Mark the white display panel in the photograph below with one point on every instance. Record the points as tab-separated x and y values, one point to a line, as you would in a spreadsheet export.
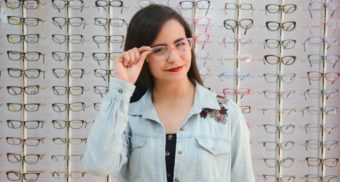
235	68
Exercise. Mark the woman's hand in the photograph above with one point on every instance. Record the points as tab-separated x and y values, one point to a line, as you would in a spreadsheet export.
128	64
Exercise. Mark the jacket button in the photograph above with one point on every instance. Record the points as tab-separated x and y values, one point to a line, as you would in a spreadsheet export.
176	180
181	129
120	90
179	152
170	137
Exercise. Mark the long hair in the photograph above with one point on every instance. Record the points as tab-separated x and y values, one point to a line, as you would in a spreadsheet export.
143	30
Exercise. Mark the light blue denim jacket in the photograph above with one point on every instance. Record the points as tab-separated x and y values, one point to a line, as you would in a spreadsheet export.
129	140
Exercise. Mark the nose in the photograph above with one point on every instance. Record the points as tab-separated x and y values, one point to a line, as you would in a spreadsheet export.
172	55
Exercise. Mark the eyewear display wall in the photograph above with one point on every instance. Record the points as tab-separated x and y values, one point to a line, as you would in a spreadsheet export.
277	60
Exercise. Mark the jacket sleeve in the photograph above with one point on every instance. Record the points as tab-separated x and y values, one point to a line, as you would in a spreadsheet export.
241	163
108	141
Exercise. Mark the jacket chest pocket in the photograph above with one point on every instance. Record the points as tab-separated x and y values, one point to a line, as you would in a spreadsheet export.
213	159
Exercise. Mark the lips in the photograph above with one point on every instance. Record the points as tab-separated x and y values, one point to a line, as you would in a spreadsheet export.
176	69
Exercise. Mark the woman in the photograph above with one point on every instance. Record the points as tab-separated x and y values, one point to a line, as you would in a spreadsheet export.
178	130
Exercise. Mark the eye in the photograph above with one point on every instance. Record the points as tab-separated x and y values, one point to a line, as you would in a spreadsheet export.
158	50
181	43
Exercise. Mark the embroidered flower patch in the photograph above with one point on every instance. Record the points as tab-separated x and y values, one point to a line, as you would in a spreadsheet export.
219	115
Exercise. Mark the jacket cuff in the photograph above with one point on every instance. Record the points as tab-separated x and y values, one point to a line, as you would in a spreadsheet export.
122	87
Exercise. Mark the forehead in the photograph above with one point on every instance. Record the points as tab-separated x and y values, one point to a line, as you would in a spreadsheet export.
169	32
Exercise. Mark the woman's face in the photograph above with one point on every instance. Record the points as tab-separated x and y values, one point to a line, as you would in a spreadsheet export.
170	59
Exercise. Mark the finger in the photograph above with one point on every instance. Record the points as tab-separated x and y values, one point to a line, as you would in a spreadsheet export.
144	48
132	58
126	58
137	54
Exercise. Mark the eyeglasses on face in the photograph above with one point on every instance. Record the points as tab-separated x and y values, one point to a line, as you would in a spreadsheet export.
29	124
199	4
62	56
60	158
316	76
286	26
18	38
16	20
28	73
73	39
63	90
18	90
162	52
273	59
317	93
232	24
318	59
75	107
27	176
28	158
29	107
273	77
315	161
275	8
72	4
29	141
29	56
274	43
28	4
61	22
316	144
74	124
110	3
74	72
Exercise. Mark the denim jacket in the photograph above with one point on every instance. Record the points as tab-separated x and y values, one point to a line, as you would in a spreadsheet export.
128	139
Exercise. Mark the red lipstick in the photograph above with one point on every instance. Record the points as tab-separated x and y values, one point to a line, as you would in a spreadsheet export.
175	69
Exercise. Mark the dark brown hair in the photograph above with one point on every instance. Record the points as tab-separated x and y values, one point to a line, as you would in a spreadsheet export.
143	30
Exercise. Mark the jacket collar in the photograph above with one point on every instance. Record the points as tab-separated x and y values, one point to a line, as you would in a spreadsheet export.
204	98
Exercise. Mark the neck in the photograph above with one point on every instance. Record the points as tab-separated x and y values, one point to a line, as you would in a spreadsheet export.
176	91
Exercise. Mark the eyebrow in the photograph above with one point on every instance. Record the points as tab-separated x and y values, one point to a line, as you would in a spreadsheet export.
177	40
